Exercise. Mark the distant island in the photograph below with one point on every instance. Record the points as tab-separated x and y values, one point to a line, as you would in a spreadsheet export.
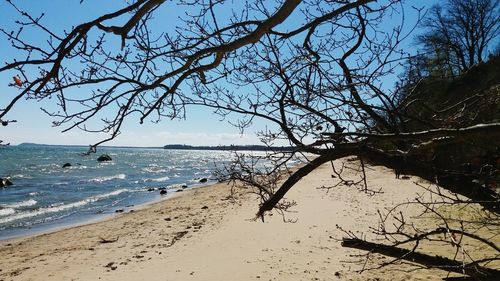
230	147
183	147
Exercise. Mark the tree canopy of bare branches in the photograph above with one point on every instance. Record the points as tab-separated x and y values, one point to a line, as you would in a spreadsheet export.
458	33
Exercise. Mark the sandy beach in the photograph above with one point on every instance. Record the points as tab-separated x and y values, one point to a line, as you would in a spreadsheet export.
202	234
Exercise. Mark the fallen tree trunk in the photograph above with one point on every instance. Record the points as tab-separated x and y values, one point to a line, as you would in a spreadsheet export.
472	270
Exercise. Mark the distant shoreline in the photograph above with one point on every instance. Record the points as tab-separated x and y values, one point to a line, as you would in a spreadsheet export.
229	147
177	146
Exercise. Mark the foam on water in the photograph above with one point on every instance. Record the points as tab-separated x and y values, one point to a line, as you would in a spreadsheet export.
162	179
21	176
17	205
6	212
60	207
155	170
110	178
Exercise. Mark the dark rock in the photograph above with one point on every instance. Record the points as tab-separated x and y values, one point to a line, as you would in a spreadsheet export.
111	266
119	211
162	188
203	180
179	190
184	186
5	182
204	207
151	189
104	157
167	219
163	192
66	165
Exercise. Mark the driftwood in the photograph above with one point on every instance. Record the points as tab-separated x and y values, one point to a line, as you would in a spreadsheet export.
472	269
106	241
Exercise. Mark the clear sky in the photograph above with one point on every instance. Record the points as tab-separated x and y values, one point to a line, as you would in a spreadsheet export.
200	128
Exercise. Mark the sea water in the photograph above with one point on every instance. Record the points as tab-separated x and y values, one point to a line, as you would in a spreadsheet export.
45	195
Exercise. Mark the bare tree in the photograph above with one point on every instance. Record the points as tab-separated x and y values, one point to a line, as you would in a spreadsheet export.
458	33
313	70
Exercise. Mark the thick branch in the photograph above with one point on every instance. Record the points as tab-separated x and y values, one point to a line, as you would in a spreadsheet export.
473	270
302	172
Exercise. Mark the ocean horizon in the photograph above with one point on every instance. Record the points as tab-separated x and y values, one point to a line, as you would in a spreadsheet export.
45	196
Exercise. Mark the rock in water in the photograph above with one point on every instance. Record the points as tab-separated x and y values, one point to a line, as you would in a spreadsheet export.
203	180
104	157
163	192
65	165
5	182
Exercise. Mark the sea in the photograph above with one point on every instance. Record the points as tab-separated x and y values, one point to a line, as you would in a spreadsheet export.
45	196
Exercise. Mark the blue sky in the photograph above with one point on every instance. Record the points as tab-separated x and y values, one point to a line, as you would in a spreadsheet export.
200	128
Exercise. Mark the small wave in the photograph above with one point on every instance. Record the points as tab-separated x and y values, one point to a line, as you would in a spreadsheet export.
110	178
73	167
59	208
60	183
162	179
27	203
21	176
6	212
155	170
110	194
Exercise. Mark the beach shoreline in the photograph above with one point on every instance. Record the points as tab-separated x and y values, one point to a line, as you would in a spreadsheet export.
97	218
205	234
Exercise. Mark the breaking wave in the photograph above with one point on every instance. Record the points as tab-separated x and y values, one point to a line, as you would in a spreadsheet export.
27	203
58	208
110	178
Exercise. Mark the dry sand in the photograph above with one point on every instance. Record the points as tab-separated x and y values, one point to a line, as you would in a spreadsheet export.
201	235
